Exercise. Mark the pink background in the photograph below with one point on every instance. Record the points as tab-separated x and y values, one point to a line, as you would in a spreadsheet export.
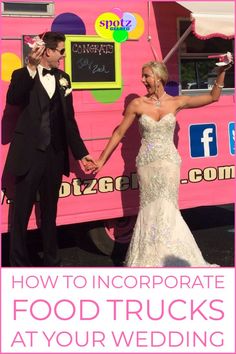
98	120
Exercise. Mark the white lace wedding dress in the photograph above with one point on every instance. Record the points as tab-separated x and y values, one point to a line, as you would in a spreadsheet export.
161	238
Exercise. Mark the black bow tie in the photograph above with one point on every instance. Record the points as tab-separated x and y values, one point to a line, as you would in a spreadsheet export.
46	71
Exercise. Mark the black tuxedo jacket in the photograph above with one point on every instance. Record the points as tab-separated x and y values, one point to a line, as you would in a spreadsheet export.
25	92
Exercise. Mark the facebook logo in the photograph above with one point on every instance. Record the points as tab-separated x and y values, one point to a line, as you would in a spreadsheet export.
232	138
203	140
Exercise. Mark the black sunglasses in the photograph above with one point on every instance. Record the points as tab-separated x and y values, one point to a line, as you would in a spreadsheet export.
61	51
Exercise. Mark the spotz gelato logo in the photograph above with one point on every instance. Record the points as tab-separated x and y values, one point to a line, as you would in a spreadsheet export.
116	25
119	26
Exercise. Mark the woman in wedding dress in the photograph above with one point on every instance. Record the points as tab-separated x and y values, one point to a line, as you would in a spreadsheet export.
161	237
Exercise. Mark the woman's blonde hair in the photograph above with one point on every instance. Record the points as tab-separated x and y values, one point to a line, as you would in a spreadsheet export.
159	70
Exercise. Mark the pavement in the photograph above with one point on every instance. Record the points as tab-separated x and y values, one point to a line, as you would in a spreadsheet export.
212	227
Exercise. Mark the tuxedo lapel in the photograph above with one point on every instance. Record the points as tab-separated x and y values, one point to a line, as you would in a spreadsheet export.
42	95
58	76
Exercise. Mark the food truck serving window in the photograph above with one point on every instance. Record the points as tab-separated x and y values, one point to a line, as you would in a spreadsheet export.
25	9
197	70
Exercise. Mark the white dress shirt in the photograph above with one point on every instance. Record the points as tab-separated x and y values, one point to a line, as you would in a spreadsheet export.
48	81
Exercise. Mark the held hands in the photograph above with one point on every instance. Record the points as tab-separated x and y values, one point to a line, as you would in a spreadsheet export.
92	166
89	163
99	165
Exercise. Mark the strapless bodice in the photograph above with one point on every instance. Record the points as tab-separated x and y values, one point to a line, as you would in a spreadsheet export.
157	139
158	130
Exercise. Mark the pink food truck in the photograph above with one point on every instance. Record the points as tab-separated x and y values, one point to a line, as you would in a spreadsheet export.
106	44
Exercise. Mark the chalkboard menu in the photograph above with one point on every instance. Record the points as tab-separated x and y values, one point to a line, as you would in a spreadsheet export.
93	62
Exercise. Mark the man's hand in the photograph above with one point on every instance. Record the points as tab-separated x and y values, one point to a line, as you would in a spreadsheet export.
35	57
99	165
88	163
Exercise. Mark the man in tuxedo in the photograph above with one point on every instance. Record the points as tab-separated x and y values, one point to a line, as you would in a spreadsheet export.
38	153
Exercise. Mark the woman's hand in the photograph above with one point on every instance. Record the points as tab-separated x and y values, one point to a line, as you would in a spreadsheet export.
88	163
224	68
99	165
225	62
